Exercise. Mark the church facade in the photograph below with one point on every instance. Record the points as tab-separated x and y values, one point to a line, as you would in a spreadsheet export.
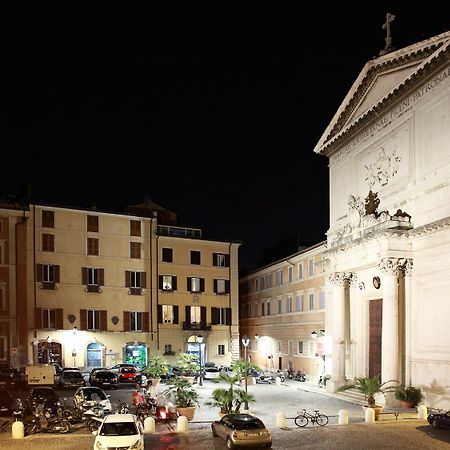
387	262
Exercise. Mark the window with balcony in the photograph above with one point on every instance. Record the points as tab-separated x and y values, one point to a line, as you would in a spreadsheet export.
48	242
48	275
92	278
92	246
135	281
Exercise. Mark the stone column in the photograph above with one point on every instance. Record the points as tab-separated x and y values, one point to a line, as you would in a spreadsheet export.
340	282
391	344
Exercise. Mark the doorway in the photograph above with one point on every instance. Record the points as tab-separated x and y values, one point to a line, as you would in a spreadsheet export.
375	333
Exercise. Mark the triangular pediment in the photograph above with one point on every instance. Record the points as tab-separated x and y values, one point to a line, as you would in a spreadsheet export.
379	79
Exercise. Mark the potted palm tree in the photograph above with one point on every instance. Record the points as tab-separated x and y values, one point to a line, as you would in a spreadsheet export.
409	396
189	366
157	367
241	366
182	394
229	400
370	387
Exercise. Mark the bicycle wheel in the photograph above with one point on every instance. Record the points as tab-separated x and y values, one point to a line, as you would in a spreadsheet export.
322	420
301	420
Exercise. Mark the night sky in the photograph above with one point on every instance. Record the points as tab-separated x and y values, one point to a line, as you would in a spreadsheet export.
212	112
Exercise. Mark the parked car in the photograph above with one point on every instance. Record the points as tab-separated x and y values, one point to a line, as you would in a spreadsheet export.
127	375
92	372
439	419
42	395
209	373
10	378
117	367
104	378
40	375
241	430
123	431
91	395
71	379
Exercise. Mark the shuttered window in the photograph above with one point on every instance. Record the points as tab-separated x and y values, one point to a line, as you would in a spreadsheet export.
48	242
92	223
48	219
135	228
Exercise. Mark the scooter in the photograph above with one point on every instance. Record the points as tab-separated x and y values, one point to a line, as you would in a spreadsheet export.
44	421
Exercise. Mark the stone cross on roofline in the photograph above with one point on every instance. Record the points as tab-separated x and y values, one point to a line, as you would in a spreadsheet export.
387	26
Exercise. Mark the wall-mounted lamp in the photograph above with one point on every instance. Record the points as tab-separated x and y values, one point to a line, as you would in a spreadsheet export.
315	334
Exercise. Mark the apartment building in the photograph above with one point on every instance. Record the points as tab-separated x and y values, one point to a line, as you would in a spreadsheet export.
90	288
282	311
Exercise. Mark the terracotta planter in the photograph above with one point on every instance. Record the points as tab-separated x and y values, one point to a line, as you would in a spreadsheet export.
378	409
187	412
407	404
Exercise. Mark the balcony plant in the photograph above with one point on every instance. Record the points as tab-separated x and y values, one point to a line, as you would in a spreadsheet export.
229	400
409	396
183	396
370	387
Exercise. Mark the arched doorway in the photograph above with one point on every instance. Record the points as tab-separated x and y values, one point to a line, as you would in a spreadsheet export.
94	355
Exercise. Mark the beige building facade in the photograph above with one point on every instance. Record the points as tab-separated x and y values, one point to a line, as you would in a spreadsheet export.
387	261
89	288
282	311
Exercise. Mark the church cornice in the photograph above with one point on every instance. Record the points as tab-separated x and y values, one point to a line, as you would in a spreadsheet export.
337	133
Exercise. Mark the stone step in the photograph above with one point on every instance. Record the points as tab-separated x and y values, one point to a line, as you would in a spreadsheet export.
353	396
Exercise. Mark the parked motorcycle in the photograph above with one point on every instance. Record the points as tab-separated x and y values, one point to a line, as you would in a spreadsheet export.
44	421
122	408
299	376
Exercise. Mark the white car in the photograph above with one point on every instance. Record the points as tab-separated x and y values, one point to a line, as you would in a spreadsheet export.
209	373
119	431
89	396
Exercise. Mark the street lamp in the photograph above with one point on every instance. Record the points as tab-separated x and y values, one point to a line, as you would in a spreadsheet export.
245	342
200	342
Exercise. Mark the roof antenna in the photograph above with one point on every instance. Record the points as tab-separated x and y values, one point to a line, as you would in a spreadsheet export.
387	26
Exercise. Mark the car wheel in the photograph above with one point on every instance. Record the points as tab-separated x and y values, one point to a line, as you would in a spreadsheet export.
435	424
229	443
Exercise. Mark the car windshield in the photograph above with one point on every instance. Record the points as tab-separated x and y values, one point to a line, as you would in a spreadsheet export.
118	429
94	395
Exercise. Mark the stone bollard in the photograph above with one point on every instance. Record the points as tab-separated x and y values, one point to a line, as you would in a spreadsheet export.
278	381
369	415
149	425
343	417
281	420
18	430
182	424
422	412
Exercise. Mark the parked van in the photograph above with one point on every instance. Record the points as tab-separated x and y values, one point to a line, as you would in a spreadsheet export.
40	375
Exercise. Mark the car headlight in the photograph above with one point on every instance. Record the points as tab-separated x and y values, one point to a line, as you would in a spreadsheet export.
137	445
99	445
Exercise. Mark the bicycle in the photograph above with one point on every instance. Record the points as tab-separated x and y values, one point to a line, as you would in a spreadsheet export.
305	417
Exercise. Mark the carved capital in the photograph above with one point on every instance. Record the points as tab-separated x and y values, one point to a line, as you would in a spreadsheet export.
400	267
342	279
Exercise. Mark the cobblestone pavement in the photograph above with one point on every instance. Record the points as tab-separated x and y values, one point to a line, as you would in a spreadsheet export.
405	433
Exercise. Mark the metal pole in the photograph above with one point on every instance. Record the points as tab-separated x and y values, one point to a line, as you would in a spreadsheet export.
200	381
246	375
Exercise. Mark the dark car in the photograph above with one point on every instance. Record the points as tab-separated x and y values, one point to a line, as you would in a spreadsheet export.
439	419
42	395
10	378
242	430
92	372
104	378
71	379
